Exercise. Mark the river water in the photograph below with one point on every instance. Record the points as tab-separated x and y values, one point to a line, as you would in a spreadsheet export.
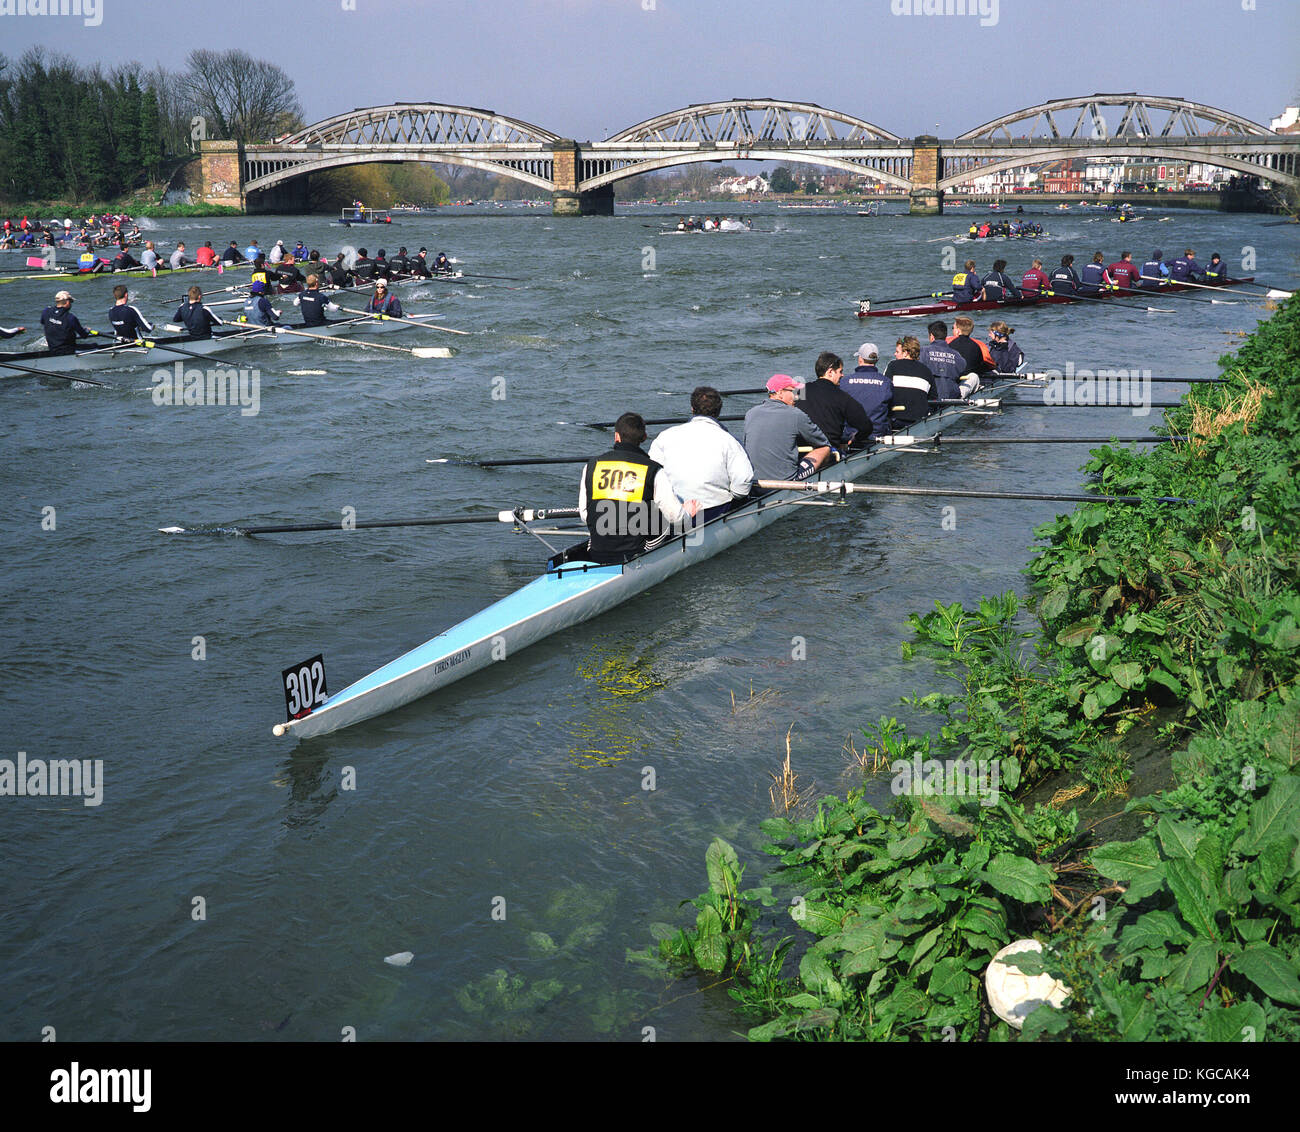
234	886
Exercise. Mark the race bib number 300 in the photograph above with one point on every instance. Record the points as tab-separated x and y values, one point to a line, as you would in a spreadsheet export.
616	480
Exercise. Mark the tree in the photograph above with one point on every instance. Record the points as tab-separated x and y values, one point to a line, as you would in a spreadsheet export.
781	181
239	97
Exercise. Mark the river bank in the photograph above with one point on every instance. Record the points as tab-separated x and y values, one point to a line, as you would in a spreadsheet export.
1128	793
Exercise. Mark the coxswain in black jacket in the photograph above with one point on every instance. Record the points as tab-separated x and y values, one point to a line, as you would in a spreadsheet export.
62	327
128	323
1216	271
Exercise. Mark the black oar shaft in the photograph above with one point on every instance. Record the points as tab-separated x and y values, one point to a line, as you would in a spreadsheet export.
1109	375
523	514
657	421
61	376
1004	403
965	493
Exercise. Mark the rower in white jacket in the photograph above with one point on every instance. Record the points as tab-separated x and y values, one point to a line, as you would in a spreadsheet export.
703	460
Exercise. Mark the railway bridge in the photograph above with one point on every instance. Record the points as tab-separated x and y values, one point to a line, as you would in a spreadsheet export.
581	175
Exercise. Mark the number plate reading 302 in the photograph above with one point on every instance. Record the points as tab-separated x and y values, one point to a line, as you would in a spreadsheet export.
304	687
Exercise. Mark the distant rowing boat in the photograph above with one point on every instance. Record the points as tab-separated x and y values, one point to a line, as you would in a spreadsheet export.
131	272
1050	299
232	337
570	593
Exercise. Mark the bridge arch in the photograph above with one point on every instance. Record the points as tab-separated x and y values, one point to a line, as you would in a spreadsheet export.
1184	119
1173	154
418	123
734	121
534	172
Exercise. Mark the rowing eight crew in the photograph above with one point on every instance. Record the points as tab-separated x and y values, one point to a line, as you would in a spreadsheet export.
1096	277
633	501
63	329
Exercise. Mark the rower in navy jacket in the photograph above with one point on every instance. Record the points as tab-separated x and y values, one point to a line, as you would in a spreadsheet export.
966	284
313	305
382	270
381	302
914	387
1064	280
840	417
944	363
128	323
288	278
232	254
441	264
124	259
870	388
420	264
1007	356
399	264
194	316
1216	271
998	285
257	310
339	275
1093	279
62	327
1154	273
1185	268
364	268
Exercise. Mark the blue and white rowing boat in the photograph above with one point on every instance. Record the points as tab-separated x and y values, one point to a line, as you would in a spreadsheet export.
576	591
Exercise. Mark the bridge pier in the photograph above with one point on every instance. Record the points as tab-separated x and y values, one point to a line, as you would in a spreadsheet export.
566	160
926	198
221	174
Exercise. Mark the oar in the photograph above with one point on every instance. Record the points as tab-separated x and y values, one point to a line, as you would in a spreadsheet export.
519	515
419	351
510	463
721	392
11	331
1076	297
1058	375
1179	295
911	298
60	376
978	402
660	421
1225	289
939	440
829	487
506	278
406	321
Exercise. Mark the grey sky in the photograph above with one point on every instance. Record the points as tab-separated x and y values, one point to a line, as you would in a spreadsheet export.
588	68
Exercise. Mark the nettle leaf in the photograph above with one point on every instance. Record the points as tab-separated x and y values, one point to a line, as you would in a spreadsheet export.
1137	863
1283	741
1241	1023
949	979
710	948
818	917
1044	1020
1269	970
1154	929
1078	633
907	848
1278	812
1019	878
1192	968
1236	887
923	945
1210	855
1126	675
1053	605
816	973
1166	678
1266	871
1178	838
723	866
1197	895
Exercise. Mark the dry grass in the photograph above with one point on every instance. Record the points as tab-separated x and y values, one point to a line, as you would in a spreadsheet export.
1069	794
870	760
756	699
1208	422
784	790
